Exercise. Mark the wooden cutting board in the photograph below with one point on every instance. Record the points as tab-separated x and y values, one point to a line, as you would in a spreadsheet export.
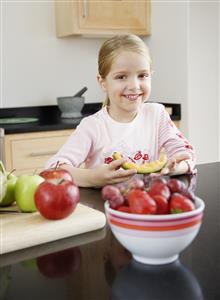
22	230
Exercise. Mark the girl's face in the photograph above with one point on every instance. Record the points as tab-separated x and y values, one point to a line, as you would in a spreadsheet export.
127	85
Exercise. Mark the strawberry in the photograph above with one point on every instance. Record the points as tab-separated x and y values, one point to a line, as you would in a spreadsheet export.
180	203
140	202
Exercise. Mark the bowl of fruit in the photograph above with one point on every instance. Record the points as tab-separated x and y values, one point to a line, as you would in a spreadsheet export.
155	222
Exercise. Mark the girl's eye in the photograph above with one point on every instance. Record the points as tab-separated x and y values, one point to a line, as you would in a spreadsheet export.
120	77
144	75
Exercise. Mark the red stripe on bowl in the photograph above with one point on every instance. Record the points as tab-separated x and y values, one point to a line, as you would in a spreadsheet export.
173	217
156	228
162	223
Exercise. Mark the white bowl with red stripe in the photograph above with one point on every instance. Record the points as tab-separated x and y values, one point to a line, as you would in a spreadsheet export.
155	239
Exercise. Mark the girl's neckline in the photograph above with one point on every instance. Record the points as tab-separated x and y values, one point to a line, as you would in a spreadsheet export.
120	123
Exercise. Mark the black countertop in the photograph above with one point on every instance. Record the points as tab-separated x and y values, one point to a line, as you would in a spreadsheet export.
94	266
49	117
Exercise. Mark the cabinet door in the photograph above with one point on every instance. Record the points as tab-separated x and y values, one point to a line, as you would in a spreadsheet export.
103	17
114	16
28	152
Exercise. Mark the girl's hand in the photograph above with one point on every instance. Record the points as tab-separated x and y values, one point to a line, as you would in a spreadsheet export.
176	165
111	173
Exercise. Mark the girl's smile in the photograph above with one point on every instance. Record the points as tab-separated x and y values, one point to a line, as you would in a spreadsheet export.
128	85
132	97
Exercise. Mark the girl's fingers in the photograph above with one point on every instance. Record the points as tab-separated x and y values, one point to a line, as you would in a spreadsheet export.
122	178
182	156
173	163
125	173
115	164
169	167
117	173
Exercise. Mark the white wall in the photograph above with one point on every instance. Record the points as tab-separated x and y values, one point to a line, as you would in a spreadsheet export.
203	79
219	82
168	44
38	67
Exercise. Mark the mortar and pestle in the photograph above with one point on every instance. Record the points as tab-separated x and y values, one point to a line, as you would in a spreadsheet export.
71	107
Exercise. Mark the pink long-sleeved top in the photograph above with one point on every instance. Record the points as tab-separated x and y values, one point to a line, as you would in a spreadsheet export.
98	136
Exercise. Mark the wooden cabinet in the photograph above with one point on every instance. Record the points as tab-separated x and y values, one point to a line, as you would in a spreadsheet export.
177	123
102	18
28	152
170	112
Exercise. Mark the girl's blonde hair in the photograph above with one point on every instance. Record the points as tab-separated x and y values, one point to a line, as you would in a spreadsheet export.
113	46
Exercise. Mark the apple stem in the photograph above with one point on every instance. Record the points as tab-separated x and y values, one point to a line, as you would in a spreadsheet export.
57	165
11	172
61	181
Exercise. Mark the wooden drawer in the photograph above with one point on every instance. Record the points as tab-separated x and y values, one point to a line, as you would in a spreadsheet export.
28	152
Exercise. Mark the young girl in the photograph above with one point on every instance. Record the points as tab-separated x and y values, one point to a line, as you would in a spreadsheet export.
125	124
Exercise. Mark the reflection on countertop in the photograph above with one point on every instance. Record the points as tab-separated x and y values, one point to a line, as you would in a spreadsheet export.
167	282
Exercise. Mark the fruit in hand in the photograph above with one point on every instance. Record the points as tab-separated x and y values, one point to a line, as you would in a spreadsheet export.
179	204
113	195
140	202
25	188
56	173
57	199
145	168
9	197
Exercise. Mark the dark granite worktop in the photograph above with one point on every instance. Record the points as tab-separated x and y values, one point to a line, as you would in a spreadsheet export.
49	117
94	266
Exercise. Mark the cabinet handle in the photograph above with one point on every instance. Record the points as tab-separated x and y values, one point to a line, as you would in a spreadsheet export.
85	9
43	153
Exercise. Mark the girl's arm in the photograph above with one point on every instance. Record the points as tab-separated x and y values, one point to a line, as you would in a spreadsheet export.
181	155
76	150
101	175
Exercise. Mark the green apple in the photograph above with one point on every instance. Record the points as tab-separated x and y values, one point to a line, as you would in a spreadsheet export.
3	188
3	180
9	197
25	188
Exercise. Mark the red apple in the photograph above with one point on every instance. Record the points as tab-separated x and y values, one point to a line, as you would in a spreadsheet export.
57	199
60	264
56	173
